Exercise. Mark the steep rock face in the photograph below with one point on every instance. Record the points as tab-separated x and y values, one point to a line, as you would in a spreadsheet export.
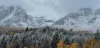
15	16
83	18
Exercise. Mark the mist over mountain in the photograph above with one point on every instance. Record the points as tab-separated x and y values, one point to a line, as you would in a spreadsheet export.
51	9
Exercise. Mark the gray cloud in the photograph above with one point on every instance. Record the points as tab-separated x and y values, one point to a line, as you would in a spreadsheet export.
59	6
66	5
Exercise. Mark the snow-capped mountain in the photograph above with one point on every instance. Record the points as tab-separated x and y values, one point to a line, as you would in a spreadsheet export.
84	18
15	16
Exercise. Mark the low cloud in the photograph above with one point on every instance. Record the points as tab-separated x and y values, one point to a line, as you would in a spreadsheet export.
57	6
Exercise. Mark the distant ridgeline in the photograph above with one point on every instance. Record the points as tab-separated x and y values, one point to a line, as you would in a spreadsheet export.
47	37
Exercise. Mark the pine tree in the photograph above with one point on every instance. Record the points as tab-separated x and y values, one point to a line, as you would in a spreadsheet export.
67	41
71	30
26	29
55	40
97	35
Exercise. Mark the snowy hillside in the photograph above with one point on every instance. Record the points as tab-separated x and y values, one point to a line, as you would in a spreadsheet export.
15	16
84	18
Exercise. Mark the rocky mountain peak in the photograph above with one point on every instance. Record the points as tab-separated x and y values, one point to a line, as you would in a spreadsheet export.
17	17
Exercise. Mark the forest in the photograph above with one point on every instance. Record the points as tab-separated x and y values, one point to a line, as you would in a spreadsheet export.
48	37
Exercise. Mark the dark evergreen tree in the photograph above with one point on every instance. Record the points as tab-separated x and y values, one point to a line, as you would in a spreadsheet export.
55	40
3	43
97	35
44	30
71	30
31	29
26	29
67	41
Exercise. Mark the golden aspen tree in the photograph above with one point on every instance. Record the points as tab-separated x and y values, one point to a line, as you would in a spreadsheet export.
67	46
85	45
74	45
60	44
91	43
97	44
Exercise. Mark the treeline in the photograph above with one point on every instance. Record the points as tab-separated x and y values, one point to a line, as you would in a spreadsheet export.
47	37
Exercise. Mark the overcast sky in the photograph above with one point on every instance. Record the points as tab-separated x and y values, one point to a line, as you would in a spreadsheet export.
52	8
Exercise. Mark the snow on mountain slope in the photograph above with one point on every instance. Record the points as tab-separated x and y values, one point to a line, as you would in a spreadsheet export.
85	18
15	16
7	18
5	11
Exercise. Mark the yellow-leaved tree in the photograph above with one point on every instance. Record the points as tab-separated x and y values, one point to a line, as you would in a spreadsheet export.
74	45
91	43
60	44
67	46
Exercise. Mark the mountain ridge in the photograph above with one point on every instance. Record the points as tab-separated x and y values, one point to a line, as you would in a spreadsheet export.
84	18
15	16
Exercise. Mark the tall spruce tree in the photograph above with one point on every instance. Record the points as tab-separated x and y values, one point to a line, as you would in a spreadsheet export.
55	40
97	35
